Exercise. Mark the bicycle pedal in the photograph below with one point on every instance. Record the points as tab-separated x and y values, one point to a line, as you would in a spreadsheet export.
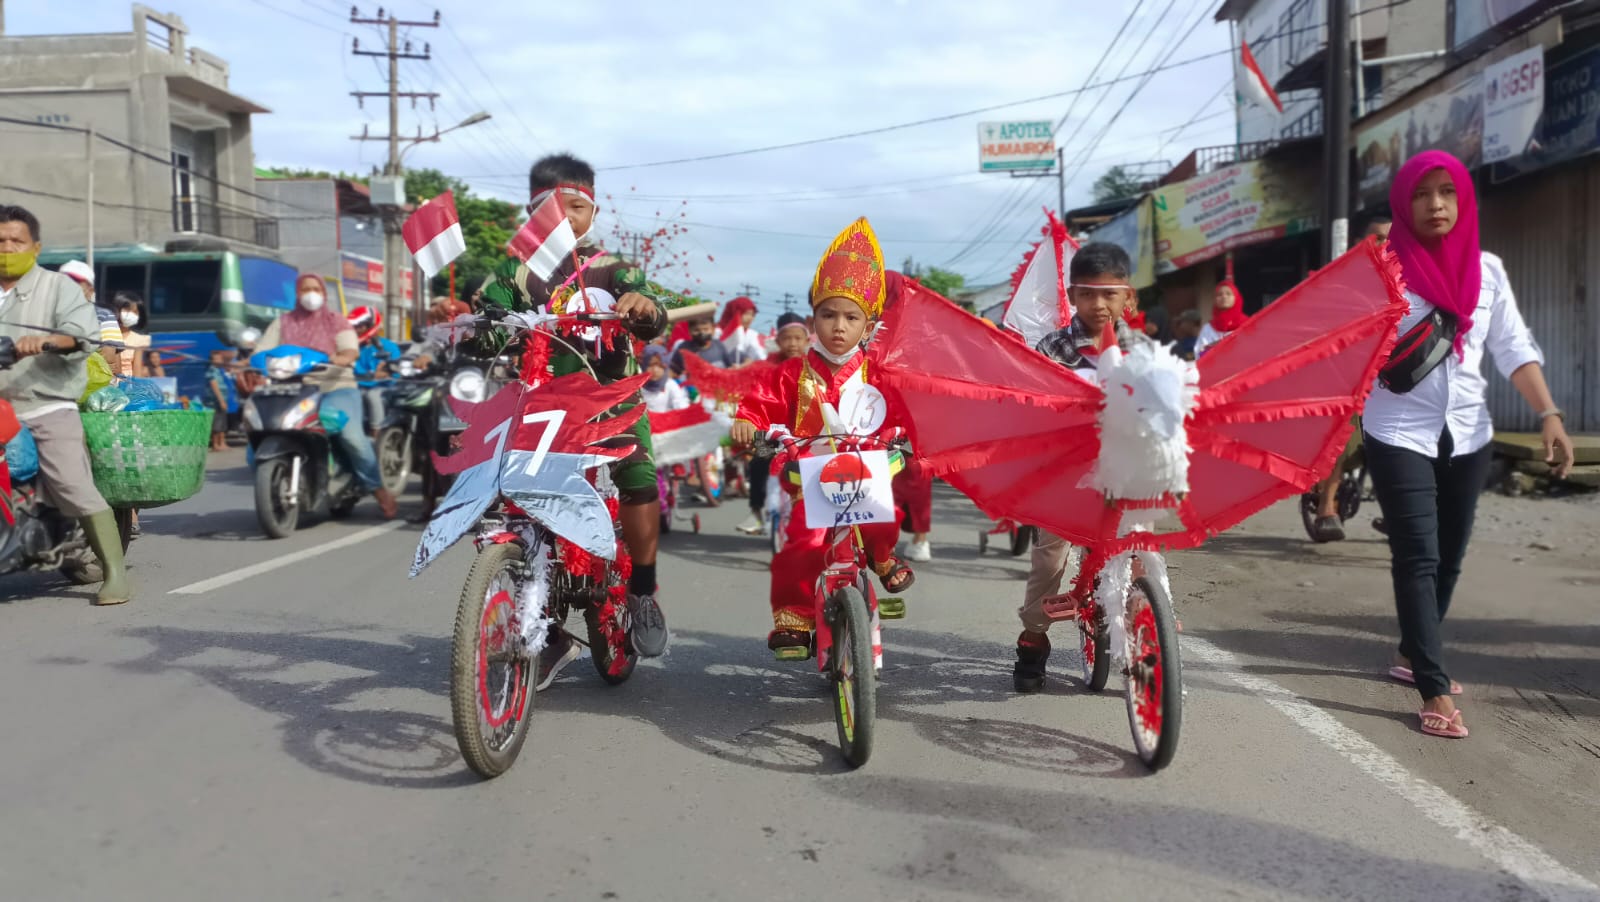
891	609
792	653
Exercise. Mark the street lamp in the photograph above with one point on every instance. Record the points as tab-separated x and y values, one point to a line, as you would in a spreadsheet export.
393	248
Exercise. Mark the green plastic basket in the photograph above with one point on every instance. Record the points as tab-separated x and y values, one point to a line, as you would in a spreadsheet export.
150	457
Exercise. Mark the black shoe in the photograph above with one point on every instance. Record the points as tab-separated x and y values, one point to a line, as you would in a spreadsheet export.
647	626
1378	524
1327	529
557	653
1033	650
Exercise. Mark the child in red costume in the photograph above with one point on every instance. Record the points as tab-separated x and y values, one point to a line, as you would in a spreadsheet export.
803	395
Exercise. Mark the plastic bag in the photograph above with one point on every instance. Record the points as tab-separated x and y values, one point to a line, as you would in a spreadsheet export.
144	394
99	376
333	420
107	400
22	456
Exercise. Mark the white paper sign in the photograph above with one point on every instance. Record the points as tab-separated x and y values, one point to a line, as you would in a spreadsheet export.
847	489
1513	98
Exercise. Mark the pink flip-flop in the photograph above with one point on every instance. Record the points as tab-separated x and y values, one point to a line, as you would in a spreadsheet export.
1435	724
1403	675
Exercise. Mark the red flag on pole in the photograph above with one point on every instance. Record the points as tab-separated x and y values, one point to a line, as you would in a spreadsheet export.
1250	82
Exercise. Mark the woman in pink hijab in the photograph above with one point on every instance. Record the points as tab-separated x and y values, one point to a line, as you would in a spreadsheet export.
1427	425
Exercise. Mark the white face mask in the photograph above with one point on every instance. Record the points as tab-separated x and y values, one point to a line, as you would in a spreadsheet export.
312	301
129	320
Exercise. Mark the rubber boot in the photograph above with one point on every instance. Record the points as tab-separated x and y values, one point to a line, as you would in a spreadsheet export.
101	530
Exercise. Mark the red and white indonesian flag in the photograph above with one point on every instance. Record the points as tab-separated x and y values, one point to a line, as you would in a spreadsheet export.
683	435
1039	305
433	233
545	239
1249	81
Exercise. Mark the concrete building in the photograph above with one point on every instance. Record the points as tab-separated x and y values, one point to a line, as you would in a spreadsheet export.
171	148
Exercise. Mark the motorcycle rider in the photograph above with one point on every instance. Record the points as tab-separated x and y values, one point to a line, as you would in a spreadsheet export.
311	324
377	353
44	388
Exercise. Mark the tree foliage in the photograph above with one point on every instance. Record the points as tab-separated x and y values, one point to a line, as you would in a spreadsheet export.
486	223
942	281
1117	183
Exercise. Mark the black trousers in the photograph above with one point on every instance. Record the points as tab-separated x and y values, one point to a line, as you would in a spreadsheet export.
1428	507
756	478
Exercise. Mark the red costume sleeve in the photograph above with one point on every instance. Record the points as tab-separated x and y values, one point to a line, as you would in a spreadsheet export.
773	399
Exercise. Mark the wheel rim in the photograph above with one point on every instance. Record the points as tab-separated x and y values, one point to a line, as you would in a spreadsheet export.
1145	677
503	665
392	456
282	502
844	682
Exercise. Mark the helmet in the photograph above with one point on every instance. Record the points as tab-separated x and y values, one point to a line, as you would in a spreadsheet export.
367	321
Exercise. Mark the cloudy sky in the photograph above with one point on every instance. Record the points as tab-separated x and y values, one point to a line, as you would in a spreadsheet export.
629	83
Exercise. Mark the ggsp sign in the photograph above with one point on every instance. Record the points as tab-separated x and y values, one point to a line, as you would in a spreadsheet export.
1012	146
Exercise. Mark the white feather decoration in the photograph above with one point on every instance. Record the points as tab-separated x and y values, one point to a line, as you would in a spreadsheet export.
1144	448
532	599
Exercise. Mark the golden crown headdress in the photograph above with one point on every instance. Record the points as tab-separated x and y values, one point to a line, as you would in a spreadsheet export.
852	268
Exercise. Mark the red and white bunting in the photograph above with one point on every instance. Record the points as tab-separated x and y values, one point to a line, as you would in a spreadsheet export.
545	239
433	234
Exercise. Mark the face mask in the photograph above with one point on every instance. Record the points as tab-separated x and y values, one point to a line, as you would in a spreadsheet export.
129	320
312	301
15	266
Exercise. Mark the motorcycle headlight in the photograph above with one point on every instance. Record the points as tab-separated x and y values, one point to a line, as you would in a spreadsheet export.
294	416
468	384
283	367
407	368
252	417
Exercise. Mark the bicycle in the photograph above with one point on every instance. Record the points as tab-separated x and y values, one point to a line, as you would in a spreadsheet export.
848	614
1019	538
1122	604
536	561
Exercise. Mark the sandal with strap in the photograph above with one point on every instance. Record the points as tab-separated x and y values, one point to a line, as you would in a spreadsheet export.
789	645
896	576
1436	724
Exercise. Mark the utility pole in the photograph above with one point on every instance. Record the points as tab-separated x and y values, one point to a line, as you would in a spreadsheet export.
749	291
788	302
392	198
1336	131
88	202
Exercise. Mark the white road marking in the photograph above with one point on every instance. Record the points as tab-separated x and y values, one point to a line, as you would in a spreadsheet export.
1508	851
267	566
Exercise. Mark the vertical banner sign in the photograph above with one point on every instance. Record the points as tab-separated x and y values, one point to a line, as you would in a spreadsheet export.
1513	98
1016	146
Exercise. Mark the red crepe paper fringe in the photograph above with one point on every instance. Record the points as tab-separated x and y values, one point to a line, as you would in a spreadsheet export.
968	390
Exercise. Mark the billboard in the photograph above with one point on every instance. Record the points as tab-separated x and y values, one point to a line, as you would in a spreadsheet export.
1513	98
1016	146
364	274
1450	120
1133	232
1235	206
1472	19
1569	125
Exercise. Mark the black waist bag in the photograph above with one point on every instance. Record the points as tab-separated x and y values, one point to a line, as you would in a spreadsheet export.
1415	355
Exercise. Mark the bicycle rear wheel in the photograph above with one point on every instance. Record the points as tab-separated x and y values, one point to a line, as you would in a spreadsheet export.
1154	684
852	671
491	672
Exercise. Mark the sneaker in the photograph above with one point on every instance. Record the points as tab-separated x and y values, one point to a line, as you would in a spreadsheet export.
647	628
557	653
1033	650
752	526
920	552
1327	529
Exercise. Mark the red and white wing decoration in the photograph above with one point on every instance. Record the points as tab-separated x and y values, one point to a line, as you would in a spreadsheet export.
1039	304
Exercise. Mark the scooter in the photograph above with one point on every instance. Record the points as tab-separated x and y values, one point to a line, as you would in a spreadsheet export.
33	535
406	435
291	447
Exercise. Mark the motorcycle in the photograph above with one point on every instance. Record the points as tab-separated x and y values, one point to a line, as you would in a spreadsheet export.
34	535
297	468
406	435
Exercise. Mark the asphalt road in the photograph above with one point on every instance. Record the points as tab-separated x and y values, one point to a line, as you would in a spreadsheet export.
283	732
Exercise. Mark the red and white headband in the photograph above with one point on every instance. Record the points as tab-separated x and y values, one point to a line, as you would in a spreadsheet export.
567	188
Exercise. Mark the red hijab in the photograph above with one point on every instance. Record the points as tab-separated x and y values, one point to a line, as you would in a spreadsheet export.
732	313
1446	272
1226	320
317	330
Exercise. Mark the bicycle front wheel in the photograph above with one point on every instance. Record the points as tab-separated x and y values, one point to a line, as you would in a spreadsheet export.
853	673
1154	685
491	672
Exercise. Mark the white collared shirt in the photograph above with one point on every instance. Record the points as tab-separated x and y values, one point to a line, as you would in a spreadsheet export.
1453	395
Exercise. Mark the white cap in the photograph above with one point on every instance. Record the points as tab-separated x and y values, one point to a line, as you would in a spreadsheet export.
79	271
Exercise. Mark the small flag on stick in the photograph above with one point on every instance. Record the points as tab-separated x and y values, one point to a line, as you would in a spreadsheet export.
545	239
433	233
